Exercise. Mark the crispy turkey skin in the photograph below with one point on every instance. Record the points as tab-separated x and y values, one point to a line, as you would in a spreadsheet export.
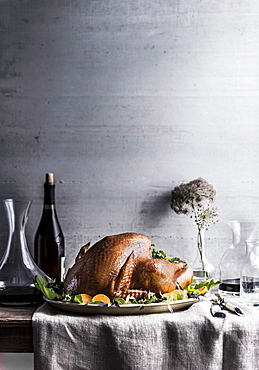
121	265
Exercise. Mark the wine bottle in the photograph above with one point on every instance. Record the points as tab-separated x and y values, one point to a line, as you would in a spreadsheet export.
49	243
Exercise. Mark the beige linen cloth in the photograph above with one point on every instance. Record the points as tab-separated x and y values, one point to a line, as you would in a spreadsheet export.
190	339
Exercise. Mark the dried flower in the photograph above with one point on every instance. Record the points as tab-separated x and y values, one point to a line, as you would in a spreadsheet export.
194	198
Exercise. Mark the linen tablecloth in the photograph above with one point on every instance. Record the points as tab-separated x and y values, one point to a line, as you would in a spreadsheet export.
191	339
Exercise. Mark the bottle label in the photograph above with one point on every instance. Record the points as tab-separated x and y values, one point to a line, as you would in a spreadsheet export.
62	268
49	206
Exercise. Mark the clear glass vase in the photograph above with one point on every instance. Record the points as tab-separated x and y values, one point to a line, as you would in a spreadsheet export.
232	260
17	267
249	277
203	269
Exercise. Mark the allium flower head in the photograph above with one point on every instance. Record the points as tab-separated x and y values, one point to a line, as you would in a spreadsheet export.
189	199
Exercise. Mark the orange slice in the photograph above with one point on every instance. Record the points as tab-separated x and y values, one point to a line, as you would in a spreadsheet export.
86	298
101	298
166	294
176	294
202	290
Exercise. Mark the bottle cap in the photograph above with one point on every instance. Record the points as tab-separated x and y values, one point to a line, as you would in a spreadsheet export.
50	178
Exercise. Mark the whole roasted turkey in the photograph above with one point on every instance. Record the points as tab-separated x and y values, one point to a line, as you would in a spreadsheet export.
122	265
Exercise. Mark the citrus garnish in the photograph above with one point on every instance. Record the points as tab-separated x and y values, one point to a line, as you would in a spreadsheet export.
86	298
176	294
166	294
202	290
101	298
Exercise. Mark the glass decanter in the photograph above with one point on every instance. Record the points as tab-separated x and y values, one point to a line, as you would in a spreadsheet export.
249	277
17	267
232	260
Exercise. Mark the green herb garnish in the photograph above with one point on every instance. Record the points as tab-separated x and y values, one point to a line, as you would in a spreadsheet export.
196	289
53	292
42	283
175	260
209	284
158	254
78	298
162	255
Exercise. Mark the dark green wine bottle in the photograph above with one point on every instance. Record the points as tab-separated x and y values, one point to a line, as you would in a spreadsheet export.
49	243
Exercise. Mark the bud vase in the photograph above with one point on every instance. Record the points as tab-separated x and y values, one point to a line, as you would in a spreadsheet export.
17	267
203	269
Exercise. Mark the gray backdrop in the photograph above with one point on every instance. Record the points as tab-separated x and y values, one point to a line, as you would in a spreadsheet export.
123	100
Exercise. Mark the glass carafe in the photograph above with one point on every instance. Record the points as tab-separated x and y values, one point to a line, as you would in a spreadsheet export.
249	277
17	267
233	259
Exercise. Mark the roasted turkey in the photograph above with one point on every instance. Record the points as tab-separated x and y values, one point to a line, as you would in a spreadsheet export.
122	265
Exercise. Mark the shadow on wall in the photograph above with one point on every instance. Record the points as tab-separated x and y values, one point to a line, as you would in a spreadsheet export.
155	210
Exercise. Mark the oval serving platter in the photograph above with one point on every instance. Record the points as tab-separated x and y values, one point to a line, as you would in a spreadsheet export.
127	309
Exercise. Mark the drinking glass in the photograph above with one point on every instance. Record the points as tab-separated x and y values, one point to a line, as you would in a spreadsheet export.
249	277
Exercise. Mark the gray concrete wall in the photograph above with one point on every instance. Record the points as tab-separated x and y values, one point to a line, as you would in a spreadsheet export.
123	100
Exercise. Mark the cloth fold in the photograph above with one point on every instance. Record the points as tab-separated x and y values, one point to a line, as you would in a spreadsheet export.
190	339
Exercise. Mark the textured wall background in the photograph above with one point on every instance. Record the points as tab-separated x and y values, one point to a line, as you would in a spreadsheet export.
123	100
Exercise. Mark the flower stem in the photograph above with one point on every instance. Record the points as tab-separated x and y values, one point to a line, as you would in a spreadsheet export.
200	241
201	251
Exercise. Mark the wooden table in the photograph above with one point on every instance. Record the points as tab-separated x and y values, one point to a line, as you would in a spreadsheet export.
16	328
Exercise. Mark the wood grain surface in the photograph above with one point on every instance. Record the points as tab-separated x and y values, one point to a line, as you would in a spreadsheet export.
16	333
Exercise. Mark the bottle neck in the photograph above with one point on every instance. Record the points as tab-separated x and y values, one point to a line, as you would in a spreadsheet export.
49	196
